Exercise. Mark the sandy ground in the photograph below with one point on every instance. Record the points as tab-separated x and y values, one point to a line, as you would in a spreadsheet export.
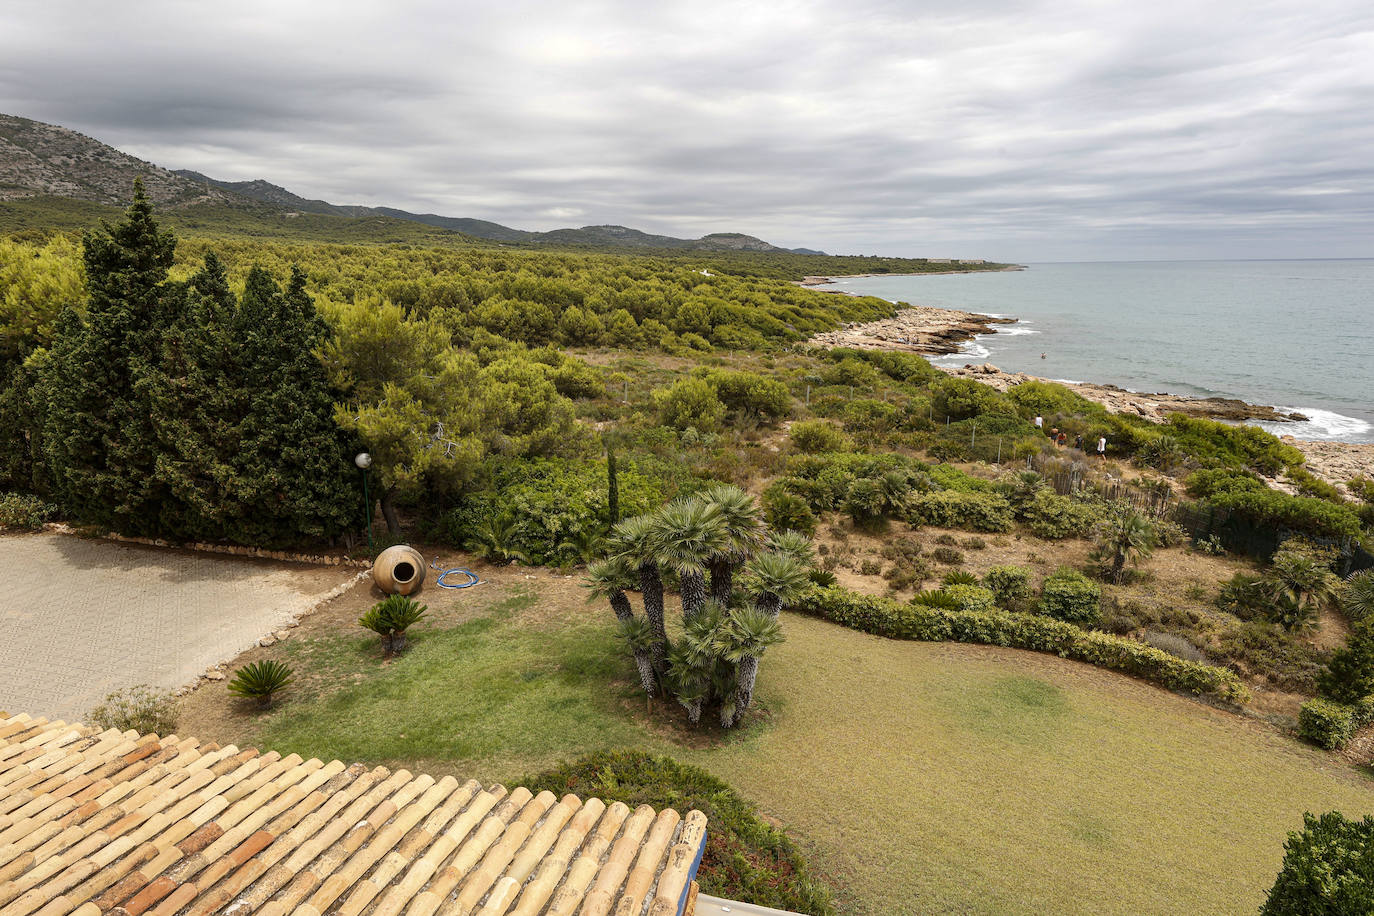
81	618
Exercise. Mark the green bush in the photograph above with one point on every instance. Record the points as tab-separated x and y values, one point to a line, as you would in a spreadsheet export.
813	436
1331	725
144	709
786	511
1010	584
1249	497
972	597
950	556
576	379
1054	517
961	398
750	394
1071	597
690	403
893	619
20	510
746	858
554	507
952	509
1328	869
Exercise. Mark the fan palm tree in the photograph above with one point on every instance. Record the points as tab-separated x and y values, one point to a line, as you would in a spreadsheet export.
753	631
610	579
692	661
1125	538
744	533
776	579
635	544
494	539
1300	586
1357	595
687	533
795	545
639	633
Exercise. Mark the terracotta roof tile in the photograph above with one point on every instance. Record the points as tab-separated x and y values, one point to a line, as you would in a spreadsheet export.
109	823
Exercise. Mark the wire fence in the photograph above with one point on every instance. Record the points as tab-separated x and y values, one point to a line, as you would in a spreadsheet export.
1240	535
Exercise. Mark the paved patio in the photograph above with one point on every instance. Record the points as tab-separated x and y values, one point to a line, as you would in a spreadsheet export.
79	618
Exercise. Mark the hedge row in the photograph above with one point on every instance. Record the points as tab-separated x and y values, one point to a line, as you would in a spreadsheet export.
1331	725
887	617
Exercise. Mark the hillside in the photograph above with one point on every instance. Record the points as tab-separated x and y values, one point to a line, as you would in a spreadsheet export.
38	159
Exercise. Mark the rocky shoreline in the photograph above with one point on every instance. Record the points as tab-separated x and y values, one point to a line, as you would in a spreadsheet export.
920	329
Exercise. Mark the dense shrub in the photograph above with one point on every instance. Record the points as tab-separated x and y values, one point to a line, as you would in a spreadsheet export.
1245	596
1328	869
1053	517
1071	597
961	398
746	858
951	556
553	508
1349	675
1010	584
1331	725
576	379
1174	645
1264	648
750	394
22	511
1249	497
972	597
813	436
952	509
690	403
786	511
144	709
886	617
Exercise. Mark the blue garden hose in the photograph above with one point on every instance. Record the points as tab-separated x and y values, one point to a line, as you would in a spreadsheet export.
472	576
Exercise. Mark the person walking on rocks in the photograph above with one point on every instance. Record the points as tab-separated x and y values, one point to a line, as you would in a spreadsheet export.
1078	442
1102	447
1062	440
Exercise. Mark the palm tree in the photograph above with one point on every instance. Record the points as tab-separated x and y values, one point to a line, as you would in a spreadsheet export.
610	579
776	579
744	536
583	546
495	539
795	545
634	539
1357	595
639	633
1126	538
752	631
1300	586
692	661
686	534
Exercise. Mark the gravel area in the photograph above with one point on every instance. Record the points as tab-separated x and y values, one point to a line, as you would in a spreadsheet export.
81	618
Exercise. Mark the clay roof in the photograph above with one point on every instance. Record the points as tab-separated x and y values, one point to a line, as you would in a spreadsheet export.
96	822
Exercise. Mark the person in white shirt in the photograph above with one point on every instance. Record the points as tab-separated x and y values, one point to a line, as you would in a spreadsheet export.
1039	422
1102	447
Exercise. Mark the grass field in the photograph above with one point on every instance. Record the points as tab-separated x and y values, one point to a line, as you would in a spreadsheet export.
922	778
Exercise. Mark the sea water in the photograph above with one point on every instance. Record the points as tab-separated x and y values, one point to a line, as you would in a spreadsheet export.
1298	335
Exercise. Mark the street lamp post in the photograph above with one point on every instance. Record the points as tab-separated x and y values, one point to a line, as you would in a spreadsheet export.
364	461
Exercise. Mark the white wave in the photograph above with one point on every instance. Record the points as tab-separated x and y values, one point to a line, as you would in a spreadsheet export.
1015	331
1321	424
1069	381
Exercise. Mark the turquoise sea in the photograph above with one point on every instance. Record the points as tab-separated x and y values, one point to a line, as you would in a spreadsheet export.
1294	334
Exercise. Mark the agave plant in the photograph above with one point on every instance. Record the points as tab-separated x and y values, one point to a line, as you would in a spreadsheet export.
261	680
959	577
936	599
390	618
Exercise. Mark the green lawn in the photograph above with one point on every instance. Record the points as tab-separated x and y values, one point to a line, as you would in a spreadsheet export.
925	778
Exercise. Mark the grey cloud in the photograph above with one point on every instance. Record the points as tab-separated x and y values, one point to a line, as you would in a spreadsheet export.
1010	130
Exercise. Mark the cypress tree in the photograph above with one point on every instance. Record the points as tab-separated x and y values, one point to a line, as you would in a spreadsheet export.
100	439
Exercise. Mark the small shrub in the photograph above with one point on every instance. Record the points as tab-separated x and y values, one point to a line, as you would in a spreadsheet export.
974	544
971	598
1349	676
1011	585
1055	517
948	555
907	576
261	680
959	577
24	512
815	436
1328	869
902	549
788	512
1264	649
1071	597
144	709
1210	545
690	403
947	539
1329	724
870	567
974	511
1243	595
390	618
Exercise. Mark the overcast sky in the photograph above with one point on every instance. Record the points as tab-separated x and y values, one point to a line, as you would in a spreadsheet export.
996	128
